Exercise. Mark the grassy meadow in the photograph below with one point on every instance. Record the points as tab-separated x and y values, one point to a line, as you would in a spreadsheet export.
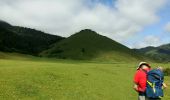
67	80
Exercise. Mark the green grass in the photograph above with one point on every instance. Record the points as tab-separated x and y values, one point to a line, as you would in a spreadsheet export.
63	80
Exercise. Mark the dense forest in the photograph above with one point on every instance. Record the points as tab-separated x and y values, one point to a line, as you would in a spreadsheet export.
24	40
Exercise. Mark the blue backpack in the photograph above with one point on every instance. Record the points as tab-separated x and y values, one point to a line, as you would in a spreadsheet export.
154	84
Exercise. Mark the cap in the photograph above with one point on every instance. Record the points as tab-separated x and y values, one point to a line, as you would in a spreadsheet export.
143	63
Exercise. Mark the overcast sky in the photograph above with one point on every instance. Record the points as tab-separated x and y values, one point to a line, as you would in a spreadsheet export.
134	23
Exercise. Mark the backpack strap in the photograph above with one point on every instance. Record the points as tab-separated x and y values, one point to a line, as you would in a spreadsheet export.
152	85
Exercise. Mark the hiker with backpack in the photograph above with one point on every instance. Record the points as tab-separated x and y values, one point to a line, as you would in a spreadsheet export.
140	79
155	84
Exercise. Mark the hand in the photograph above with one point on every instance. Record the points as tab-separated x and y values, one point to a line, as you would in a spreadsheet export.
135	87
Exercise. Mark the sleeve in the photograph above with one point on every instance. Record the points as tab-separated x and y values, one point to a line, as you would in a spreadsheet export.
136	78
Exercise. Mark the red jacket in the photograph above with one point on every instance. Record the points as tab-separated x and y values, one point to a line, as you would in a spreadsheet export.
140	79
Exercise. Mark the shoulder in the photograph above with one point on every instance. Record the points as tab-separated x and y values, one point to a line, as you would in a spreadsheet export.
138	72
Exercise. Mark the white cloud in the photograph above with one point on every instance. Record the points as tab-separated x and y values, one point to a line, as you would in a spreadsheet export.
167	27
152	40
65	17
149	40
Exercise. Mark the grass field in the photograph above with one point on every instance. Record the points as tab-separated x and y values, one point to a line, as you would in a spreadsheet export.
67	80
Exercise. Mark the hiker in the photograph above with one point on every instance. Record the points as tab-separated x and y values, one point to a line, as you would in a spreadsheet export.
140	79
155	84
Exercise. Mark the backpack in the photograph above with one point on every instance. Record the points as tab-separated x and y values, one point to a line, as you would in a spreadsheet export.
154	84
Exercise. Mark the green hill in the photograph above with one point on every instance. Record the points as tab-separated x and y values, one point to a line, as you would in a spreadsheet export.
24	40
159	54
84	45
88	45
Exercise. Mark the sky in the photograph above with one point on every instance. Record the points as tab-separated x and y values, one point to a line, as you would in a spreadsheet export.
134	23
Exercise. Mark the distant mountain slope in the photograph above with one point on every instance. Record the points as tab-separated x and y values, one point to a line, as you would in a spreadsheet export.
24	40
87	44
160	54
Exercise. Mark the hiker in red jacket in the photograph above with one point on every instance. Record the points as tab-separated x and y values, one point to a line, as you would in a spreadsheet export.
140	79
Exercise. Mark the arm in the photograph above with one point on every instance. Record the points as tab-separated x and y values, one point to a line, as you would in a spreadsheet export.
164	85
136	80
140	82
138	88
142	85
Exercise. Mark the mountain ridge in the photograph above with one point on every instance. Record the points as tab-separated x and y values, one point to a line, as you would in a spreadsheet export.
159	54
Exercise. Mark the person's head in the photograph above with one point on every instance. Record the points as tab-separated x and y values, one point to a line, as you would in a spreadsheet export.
160	68
144	65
